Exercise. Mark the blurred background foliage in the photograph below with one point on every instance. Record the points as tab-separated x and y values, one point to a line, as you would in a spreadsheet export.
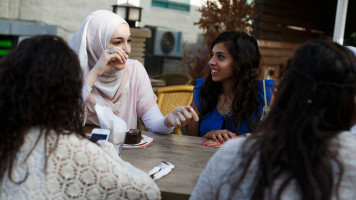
216	17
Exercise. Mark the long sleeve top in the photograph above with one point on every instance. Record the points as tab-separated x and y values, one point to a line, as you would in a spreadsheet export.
213	183
76	169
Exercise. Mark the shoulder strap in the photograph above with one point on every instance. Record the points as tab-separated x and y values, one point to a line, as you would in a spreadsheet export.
264	92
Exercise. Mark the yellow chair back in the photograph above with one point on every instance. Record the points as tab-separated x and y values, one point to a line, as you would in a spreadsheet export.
170	97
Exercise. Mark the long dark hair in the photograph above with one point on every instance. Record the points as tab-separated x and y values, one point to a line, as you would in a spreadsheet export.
245	106
313	104
40	85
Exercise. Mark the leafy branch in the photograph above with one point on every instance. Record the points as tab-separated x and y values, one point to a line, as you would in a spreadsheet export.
216	17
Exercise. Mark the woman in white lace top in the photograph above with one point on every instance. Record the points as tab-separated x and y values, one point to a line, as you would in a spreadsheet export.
43	152
303	149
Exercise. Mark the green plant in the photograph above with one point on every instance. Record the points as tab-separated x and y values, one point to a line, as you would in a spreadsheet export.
216	17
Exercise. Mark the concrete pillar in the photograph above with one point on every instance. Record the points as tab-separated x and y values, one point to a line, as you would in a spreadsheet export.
340	21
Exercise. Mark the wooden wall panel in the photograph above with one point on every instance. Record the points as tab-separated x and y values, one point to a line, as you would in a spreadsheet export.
138	46
315	17
274	54
283	25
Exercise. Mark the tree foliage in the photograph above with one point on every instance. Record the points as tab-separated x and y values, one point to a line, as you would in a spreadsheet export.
218	16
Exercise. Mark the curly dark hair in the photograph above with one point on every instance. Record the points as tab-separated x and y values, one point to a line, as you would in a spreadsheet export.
314	103
245	106
40	85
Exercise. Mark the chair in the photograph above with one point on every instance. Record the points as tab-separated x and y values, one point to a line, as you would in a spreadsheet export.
175	78
170	97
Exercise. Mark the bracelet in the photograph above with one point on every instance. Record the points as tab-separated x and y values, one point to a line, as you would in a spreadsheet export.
247	134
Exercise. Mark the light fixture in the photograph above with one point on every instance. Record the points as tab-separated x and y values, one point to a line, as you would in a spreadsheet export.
129	12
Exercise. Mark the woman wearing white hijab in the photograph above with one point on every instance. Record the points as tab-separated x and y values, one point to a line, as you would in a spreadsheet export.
102	43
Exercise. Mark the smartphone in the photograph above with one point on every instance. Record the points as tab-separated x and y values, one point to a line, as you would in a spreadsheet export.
99	134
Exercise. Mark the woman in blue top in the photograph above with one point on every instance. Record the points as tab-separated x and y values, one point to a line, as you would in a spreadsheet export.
230	100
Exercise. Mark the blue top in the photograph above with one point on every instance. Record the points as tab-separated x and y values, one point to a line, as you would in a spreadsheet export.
214	120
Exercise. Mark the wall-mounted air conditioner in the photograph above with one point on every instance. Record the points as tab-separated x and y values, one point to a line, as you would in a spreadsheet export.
167	42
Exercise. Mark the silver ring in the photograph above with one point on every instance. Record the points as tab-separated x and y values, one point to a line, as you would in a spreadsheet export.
111	50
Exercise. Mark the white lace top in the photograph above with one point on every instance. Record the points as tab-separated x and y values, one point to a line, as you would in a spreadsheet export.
210	185
76	169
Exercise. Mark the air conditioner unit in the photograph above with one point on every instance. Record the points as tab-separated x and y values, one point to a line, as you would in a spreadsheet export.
168	43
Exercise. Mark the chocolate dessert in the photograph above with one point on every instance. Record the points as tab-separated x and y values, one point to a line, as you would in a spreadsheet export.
133	136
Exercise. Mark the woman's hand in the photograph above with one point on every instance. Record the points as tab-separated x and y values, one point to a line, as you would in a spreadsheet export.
218	138
181	116
212	143
220	135
106	62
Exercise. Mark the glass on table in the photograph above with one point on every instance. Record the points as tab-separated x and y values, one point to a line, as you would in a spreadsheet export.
118	139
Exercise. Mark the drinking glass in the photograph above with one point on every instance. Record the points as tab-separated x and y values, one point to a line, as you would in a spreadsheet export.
118	141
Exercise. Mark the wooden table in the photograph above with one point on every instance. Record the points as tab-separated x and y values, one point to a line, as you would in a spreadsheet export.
187	155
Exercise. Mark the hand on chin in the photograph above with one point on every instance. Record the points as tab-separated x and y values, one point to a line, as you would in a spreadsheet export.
118	66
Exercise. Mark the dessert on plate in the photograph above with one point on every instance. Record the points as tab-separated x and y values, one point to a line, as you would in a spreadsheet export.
133	136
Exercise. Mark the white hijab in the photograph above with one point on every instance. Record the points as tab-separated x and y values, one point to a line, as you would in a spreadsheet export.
89	42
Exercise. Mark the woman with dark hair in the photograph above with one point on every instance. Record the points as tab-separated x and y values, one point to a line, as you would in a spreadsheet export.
303	149
353	50
231	98
43	152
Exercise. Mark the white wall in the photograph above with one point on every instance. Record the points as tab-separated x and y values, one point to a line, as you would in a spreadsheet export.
173	19
65	14
170	18
68	14
177	20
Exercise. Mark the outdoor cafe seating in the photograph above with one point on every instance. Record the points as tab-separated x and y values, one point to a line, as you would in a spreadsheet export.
170	97
175	79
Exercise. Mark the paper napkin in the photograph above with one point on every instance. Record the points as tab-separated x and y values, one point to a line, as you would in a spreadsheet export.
159	171
108	120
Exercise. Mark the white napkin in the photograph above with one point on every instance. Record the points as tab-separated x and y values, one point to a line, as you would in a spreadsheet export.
159	171
115	124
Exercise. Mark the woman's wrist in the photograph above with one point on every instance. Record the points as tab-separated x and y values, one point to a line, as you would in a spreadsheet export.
166	123
91	77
